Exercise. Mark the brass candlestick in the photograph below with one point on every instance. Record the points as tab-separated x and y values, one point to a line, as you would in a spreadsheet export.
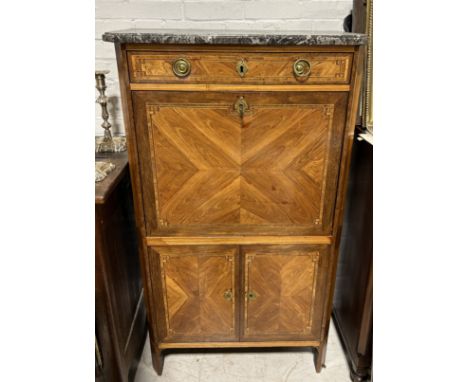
106	144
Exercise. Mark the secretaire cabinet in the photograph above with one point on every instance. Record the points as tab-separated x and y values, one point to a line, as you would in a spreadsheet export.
239	147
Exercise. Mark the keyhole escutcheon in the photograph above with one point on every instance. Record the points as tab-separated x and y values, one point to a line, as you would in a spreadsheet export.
241	106
242	68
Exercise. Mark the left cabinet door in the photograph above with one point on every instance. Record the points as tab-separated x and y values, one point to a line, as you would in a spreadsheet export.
196	288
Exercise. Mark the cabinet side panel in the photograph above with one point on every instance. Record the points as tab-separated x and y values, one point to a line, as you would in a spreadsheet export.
133	150
351	112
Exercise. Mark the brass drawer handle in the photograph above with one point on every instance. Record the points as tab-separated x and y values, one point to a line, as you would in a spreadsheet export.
228	295
301	68
242	68
251	295
241	106
181	67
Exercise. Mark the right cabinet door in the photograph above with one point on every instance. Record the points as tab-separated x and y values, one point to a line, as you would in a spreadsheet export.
284	290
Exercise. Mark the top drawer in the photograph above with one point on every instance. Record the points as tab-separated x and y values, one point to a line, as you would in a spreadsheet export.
240	68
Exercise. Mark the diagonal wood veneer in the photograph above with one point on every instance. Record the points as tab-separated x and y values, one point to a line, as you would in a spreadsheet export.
213	168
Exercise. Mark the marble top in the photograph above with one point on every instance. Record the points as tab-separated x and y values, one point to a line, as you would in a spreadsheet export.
211	37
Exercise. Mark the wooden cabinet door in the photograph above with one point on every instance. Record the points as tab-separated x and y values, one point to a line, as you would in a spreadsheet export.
198	287
207	169
284	291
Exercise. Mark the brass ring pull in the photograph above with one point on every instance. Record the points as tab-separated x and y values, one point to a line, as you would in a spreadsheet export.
251	295
181	67
242	68
301	68
228	295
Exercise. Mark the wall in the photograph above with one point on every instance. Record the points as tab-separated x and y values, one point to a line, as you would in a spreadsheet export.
310	15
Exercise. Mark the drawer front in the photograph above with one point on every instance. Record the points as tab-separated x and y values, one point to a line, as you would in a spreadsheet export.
284	292
197	285
240	68
209	170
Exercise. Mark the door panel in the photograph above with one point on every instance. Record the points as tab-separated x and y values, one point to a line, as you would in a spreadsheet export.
283	292
210	170
199	291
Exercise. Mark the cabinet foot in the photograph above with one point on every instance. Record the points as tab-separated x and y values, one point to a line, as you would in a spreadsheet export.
358	377
319	359
158	360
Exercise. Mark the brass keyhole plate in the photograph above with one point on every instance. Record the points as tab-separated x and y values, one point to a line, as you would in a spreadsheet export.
241	106
251	295
242	68
228	295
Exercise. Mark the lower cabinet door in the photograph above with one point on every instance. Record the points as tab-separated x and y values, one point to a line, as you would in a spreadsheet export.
198	288
284	290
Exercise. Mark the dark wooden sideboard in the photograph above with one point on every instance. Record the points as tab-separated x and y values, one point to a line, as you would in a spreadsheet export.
120	325
239	146
352	306
352	311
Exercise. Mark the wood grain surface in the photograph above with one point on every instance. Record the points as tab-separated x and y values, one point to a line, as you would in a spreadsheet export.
229	203
240	344
195	282
235	239
120	318
214	171
221	67
242	87
283	281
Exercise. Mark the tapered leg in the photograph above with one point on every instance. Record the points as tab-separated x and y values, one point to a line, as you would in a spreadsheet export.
320	355
158	360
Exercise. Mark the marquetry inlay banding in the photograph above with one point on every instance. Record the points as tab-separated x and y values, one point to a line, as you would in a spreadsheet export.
267	68
239	206
194	281
284	304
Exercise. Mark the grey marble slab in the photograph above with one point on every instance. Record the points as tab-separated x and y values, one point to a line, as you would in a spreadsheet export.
211	37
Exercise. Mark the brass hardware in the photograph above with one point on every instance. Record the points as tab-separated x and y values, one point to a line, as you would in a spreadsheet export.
181	67
241	106
107	143
251	295
228	295
301	68
242	68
